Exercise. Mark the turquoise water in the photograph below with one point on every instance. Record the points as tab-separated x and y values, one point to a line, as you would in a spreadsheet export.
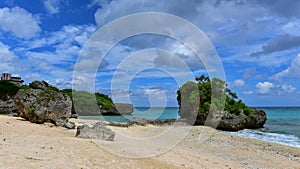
282	126
142	112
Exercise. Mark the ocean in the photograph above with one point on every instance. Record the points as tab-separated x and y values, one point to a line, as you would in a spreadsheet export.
282	125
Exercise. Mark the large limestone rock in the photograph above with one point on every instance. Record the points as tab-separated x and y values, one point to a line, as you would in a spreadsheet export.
8	106
38	106
230	122
98	131
124	108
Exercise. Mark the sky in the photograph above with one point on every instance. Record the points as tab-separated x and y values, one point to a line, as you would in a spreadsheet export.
257	42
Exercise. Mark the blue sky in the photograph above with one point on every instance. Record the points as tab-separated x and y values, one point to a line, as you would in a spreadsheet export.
258	43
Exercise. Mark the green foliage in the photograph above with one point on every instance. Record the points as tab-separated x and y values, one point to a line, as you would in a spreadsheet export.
217	88
84	102
87	102
31	110
24	87
104	100
52	88
68	92
7	90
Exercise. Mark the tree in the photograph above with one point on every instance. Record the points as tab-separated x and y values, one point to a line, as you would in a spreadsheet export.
213	95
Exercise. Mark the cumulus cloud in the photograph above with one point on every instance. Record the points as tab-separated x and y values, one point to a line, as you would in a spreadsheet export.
53	6
54	58
66	45
239	83
292	71
229	28
280	43
19	22
8	59
264	87
268	88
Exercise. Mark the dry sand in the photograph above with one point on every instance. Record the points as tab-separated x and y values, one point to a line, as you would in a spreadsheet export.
27	145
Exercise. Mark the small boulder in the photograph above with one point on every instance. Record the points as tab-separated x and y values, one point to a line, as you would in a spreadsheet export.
60	122
98	131
164	122
70	125
138	121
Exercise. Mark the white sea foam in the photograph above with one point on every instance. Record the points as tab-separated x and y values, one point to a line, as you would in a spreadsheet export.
284	139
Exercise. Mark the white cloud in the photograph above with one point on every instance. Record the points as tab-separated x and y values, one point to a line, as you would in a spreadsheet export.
53	6
264	87
52	65
239	83
66	43
8	59
19	22
69	34
98	3
268	88
248	92
227	28
292	71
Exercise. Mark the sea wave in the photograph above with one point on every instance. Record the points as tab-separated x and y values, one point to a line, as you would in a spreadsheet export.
285	139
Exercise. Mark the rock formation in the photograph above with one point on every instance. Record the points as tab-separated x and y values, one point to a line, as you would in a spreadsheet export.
38	106
97	131
227	111
143	122
8	106
38	85
231	122
124	108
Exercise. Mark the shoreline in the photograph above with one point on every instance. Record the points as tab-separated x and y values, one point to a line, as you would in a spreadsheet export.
235	133
28	145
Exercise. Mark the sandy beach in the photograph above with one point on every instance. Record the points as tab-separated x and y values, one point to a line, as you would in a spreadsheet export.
27	145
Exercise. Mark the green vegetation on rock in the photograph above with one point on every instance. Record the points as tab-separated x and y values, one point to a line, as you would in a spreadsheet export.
85	102
88	103
8	90
188	96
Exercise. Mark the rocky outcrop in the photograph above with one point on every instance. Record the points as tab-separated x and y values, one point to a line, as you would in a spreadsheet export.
38	106
112	111
255	120
38	85
124	108
117	110
97	131
231	122
8	106
143	122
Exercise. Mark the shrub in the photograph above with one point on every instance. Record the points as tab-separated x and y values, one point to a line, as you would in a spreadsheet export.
207	87
7	90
